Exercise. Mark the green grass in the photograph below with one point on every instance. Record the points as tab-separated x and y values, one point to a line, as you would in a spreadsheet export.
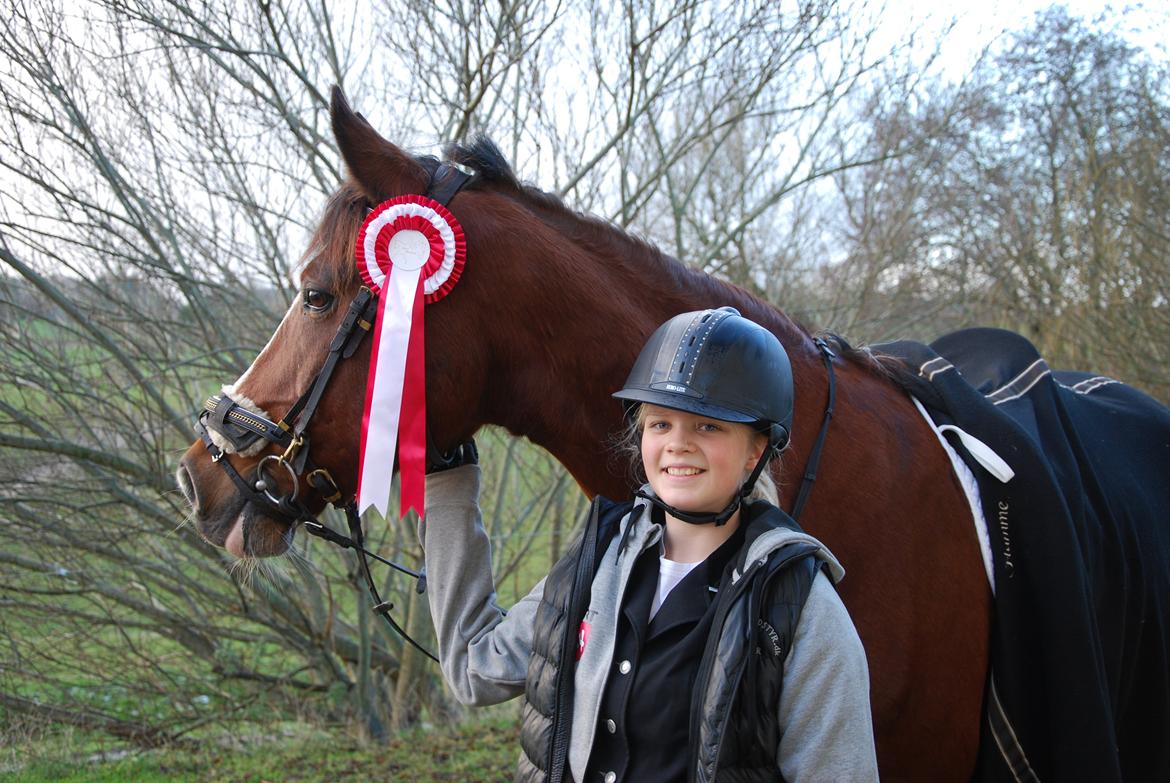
481	750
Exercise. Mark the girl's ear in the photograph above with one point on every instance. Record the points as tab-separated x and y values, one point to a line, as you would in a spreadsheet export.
381	168
758	442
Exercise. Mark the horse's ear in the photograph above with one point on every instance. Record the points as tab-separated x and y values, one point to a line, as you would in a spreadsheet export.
382	169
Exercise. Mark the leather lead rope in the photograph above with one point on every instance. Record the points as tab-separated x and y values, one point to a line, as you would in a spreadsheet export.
382	607
814	457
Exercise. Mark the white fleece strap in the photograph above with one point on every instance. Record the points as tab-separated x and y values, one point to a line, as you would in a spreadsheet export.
982	453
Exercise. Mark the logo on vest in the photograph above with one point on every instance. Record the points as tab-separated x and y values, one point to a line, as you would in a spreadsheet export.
769	640
582	638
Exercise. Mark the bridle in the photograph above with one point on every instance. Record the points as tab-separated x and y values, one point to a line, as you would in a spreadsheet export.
243	428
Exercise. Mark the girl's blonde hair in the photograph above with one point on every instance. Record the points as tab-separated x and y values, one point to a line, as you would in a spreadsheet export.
629	447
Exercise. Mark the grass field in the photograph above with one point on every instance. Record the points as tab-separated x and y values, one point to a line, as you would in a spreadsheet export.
483	749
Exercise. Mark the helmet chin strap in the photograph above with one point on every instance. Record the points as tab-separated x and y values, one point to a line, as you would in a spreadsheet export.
720	518
696	518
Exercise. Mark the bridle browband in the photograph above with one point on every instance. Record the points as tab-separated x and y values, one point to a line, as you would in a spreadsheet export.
243	428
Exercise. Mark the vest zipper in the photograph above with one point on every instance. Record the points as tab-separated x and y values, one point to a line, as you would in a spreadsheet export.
727	599
563	702
707	663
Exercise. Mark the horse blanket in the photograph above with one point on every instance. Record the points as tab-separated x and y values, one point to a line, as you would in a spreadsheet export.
1079	682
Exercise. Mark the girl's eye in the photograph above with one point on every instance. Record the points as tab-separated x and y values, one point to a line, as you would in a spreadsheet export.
317	300
709	427
657	425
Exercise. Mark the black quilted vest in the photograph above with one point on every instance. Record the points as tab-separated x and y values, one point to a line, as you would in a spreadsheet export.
734	726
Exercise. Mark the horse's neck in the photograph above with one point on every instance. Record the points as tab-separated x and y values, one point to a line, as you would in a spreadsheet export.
583	337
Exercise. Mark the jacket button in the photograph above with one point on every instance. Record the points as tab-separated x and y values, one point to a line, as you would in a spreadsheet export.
624	667
610	777
610	726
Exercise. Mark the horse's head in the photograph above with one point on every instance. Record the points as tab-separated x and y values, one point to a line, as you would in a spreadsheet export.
228	511
543	325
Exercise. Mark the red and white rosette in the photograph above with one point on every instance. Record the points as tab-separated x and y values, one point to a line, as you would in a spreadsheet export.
410	251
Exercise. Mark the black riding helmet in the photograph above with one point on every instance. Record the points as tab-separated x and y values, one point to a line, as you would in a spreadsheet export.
719	364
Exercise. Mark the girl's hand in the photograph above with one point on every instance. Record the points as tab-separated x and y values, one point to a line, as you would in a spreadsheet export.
464	454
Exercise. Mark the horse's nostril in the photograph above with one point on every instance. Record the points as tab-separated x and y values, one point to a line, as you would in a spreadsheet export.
186	486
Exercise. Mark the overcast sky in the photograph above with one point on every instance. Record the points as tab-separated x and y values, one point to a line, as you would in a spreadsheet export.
979	22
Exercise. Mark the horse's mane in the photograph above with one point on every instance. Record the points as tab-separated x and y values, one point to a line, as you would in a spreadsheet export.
493	171
883	365
332	243
491	167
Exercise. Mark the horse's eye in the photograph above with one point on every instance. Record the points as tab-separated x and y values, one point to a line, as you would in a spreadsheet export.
317	300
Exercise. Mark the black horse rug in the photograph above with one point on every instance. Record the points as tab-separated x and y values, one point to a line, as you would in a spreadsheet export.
1079	686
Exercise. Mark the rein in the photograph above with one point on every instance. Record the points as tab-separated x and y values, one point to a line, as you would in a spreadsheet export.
243	428
814	457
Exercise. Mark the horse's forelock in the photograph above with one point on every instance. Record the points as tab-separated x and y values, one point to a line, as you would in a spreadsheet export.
330	253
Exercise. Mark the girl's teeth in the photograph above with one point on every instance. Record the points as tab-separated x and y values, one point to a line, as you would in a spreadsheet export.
682	471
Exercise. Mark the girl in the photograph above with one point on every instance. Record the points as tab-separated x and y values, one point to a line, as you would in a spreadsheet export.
691	634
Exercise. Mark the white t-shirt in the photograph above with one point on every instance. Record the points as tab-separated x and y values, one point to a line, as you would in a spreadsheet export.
670	574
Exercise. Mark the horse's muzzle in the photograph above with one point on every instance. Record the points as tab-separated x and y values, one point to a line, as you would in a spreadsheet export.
226	518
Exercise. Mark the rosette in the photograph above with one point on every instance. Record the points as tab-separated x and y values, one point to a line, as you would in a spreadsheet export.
410	252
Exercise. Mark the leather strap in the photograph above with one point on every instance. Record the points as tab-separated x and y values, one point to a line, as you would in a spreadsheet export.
358	320
447	180
814	457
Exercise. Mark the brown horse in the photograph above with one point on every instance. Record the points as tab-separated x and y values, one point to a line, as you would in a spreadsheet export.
544	324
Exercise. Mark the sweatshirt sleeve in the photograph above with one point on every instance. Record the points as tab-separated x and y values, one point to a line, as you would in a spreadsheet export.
483	652
824	706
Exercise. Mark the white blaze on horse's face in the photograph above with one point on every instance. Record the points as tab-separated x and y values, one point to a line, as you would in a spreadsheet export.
239	384
238	392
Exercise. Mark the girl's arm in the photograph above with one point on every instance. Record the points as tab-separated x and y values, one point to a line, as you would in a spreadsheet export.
484	653
825	717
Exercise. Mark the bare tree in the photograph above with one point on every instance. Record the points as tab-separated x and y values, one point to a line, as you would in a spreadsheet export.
163	162
1032	196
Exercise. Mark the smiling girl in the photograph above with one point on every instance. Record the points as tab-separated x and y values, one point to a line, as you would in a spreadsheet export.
692	634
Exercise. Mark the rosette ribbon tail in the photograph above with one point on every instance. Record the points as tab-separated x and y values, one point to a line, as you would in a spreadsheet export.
412	433
384	388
